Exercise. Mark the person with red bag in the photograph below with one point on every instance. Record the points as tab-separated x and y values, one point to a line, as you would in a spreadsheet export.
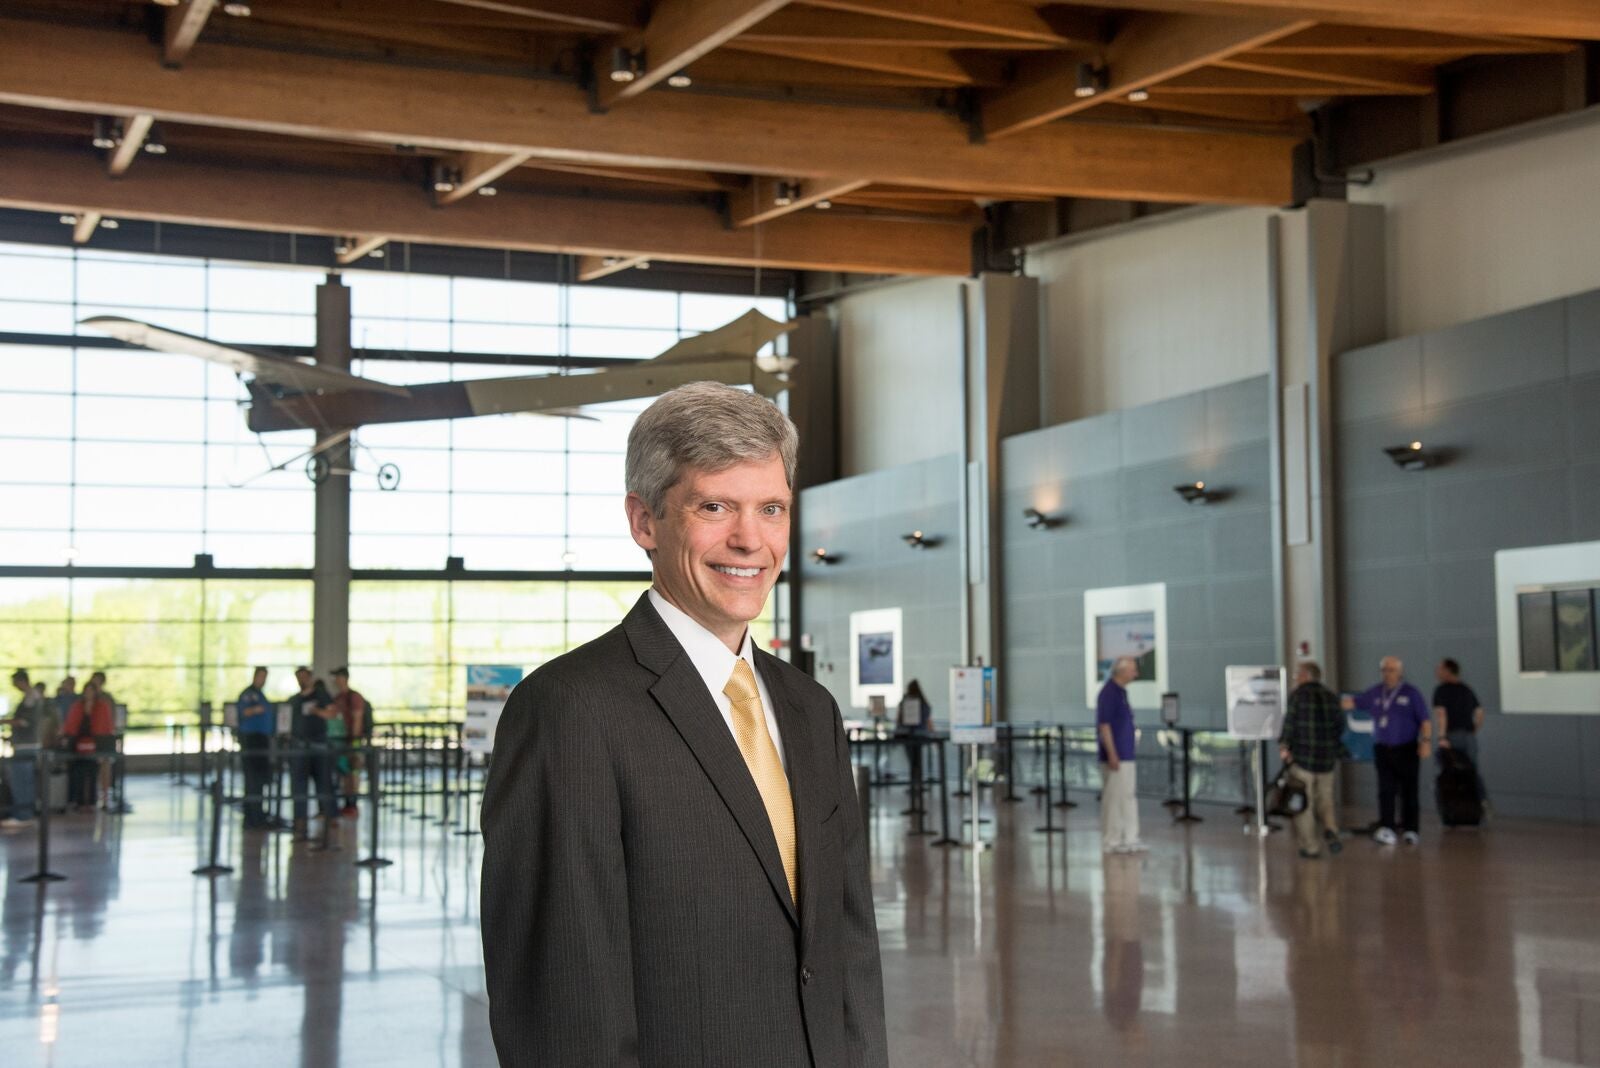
89	718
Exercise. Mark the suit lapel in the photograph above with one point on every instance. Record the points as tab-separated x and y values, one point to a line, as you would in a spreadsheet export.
681	693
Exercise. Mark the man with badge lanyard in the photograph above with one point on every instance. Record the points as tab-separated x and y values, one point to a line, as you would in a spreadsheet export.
1402	726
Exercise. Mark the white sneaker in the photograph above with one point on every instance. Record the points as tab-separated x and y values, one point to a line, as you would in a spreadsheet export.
1135	847
1412	837
9	824
1384	836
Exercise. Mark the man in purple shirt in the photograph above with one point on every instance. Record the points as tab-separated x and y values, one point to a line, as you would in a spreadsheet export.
1113	717
1402	725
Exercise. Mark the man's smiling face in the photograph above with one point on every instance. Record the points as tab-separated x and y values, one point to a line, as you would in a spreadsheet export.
718	544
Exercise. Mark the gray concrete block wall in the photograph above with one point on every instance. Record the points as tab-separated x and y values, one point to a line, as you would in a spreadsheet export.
862	520
1111	478
1515	399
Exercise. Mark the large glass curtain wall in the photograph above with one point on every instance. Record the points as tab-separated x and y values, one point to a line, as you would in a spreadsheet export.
127	461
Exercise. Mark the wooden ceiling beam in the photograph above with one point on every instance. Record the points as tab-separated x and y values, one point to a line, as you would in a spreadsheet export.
586	16
1368	41
84	226
798	24
134	132
1147	51
657	176
1002	18
355	248
761	202
183	25
594	268
475	170
680	32
1262	110
1575	19
923	64
727	67
1365	71
1221	81
335	205
311	96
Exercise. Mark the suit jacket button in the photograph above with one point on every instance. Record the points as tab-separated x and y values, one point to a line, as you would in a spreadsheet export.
805	975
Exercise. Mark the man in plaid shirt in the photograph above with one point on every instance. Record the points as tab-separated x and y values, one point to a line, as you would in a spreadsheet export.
1312	731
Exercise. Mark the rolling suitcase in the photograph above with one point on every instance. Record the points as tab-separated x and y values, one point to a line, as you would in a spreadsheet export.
1457	790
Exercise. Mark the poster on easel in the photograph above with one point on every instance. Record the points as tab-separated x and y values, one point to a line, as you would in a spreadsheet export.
488	688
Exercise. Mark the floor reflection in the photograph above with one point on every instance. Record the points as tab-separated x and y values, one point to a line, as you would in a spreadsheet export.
1479	948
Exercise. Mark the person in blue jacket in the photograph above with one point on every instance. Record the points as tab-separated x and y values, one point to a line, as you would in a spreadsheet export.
1402	729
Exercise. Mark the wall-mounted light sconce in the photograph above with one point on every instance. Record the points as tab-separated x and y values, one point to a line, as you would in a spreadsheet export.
1195	492
820	555
1092	79
626	65
1412	456
1037	520
918	540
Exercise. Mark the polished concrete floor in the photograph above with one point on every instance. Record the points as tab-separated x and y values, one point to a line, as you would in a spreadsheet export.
1478	948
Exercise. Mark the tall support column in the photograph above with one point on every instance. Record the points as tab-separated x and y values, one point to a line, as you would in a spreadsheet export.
1001	397
330	573
814	407
1330	290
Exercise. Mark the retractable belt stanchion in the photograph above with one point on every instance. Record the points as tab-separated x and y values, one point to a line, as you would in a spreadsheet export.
215	867
1049	793
1010	797
1186	816
41	768
374	792
1038	734
944	838
1061	753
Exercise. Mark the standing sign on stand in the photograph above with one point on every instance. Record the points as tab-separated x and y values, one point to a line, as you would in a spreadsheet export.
972	705
488	687
1255	714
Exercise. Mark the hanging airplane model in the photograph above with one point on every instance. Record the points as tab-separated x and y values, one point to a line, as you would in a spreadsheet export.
290	394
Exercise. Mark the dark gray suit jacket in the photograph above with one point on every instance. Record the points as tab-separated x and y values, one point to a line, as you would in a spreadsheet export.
635	910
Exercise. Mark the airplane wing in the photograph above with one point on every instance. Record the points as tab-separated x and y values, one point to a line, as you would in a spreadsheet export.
745	336
264	367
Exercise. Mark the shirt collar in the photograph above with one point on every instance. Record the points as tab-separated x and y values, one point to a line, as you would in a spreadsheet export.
710	657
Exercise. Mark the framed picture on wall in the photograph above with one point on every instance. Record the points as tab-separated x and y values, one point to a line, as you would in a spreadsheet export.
876	654
1127	621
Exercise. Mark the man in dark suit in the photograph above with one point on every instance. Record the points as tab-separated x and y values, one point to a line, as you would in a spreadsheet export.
674	864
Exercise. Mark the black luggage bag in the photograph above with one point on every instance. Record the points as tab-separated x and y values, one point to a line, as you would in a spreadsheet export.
1457	790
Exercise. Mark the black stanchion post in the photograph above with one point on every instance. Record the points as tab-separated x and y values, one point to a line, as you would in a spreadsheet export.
215	867
1061	754
374	791
41	771
944	838
425	770
1049	793
1186	816
446	745
1011	797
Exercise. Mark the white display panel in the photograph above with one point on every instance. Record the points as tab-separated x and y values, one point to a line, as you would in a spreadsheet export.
1533	677
1255	702
875	656
1126	621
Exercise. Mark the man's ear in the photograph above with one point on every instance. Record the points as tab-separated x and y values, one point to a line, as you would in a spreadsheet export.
641	524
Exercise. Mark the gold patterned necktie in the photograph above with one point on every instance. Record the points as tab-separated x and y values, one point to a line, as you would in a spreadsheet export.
755	743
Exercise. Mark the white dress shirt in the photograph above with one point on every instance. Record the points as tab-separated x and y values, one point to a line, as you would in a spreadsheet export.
715	662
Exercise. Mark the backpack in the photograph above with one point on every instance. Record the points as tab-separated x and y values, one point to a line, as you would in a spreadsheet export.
1287	794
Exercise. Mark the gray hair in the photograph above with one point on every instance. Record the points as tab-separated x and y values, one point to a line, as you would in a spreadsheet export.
1312	669
707	426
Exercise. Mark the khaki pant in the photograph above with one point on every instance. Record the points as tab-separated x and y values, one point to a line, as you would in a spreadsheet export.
1319	812
1119	806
